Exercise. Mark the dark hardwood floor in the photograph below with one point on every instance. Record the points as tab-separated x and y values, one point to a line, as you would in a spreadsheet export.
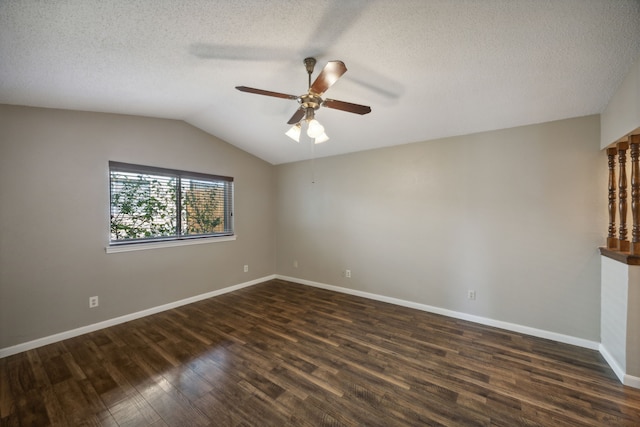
279	354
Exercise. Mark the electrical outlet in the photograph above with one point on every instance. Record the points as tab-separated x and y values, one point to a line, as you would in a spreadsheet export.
471	294
246	268
347	274
93	302
295	263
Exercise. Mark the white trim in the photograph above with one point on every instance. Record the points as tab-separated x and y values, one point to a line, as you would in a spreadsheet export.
19	348
540	333
166	244
628	380
631	381
613	363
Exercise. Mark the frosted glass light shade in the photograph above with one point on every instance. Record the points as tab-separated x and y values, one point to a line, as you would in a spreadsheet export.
294	132
315	129
322	138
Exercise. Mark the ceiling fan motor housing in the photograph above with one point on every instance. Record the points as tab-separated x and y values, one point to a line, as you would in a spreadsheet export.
310	100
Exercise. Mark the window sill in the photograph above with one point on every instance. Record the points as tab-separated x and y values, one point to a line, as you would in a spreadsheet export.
166	244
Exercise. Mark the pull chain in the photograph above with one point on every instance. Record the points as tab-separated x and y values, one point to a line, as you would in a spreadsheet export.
313	163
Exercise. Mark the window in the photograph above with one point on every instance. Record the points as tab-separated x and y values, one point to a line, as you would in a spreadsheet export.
156	204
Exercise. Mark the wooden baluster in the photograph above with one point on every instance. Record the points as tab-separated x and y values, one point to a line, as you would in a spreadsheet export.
634	143
623	243
612	241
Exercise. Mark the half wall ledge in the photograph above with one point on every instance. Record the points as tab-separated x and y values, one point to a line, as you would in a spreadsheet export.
624	257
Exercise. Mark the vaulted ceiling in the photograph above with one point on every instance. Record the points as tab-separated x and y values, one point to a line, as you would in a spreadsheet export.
428	69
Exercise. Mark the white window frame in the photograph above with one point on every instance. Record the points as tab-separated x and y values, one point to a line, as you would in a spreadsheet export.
177	239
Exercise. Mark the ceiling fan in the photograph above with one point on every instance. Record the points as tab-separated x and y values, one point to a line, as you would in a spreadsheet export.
312	100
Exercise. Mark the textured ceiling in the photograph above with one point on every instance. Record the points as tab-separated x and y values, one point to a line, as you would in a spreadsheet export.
428	69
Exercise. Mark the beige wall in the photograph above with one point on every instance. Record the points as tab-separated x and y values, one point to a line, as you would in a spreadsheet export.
516	215
622	115
54	219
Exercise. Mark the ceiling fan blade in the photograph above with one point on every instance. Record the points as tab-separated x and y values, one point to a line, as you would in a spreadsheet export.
297	116
346	106
265	92
328	76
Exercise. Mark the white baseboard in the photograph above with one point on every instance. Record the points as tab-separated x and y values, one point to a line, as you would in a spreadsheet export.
19	348
631	381
613	363
567	339
628	380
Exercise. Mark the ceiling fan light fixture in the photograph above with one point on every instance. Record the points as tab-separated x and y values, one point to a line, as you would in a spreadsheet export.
304	117
315	129
294	132
322	138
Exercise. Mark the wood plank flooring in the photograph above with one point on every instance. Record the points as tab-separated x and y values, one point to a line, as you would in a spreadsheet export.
282	354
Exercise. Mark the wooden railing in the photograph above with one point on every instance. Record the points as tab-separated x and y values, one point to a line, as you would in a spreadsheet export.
619	247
